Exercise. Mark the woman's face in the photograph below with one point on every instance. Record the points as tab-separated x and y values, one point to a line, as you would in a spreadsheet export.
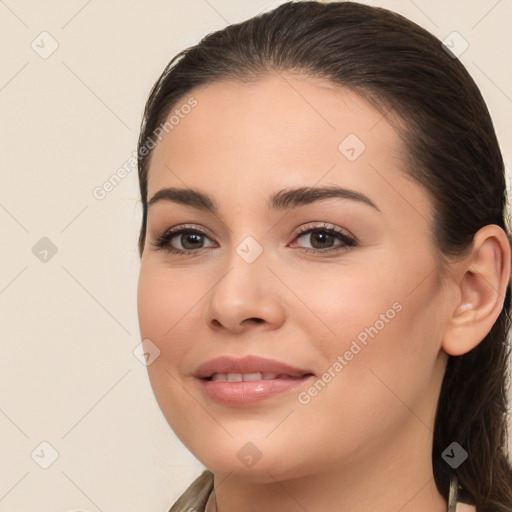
355	308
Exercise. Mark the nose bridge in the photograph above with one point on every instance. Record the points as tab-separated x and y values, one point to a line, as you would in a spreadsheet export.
244	289
244	272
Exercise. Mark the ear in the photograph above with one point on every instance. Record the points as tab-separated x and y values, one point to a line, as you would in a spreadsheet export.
482	278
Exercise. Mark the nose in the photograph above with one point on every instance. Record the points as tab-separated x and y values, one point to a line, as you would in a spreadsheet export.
246	296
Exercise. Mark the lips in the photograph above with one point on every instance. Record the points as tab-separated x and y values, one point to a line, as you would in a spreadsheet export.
247	377
248	366
241	382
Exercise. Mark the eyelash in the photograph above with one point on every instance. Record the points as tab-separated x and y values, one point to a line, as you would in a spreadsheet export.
162	241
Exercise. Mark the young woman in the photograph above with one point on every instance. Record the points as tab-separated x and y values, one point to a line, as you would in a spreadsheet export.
325	267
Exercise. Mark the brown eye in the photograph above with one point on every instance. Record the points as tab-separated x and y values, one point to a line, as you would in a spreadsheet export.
182	241
325	239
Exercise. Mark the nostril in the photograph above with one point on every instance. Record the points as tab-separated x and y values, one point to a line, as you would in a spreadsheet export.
216	323
255	320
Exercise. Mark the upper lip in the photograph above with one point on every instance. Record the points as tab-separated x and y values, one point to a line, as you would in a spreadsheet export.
247	364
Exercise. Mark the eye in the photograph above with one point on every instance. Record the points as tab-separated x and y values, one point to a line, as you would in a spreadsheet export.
323	237
190	241
181	240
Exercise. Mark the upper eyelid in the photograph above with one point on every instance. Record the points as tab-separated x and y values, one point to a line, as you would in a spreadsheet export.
309	225
326	226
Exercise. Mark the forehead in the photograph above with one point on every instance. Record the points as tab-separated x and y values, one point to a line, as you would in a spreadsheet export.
274	132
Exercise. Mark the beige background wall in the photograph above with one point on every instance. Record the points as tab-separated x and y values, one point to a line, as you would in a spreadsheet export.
68	374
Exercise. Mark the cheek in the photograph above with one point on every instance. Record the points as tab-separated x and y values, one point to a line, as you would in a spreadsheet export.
343	302
377	375
386	295
168	304
164	299
383	325
165	304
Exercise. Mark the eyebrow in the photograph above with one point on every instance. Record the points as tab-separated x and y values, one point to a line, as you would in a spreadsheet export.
282	200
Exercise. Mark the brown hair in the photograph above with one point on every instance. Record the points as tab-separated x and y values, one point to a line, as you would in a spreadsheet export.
452	150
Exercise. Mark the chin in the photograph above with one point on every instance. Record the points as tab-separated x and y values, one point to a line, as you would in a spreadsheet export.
244	460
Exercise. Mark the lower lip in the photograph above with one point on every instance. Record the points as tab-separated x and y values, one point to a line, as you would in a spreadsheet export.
249	392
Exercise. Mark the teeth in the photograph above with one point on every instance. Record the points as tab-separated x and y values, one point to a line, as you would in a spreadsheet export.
251	376
239	377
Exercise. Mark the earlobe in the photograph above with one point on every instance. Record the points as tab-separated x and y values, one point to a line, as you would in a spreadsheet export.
483	279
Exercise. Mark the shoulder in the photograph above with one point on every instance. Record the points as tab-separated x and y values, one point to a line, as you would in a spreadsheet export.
196	495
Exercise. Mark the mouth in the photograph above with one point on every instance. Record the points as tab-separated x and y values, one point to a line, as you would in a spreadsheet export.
250	377
244	389
248	380
247	368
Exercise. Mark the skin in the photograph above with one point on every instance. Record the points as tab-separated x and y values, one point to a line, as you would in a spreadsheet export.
365	441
